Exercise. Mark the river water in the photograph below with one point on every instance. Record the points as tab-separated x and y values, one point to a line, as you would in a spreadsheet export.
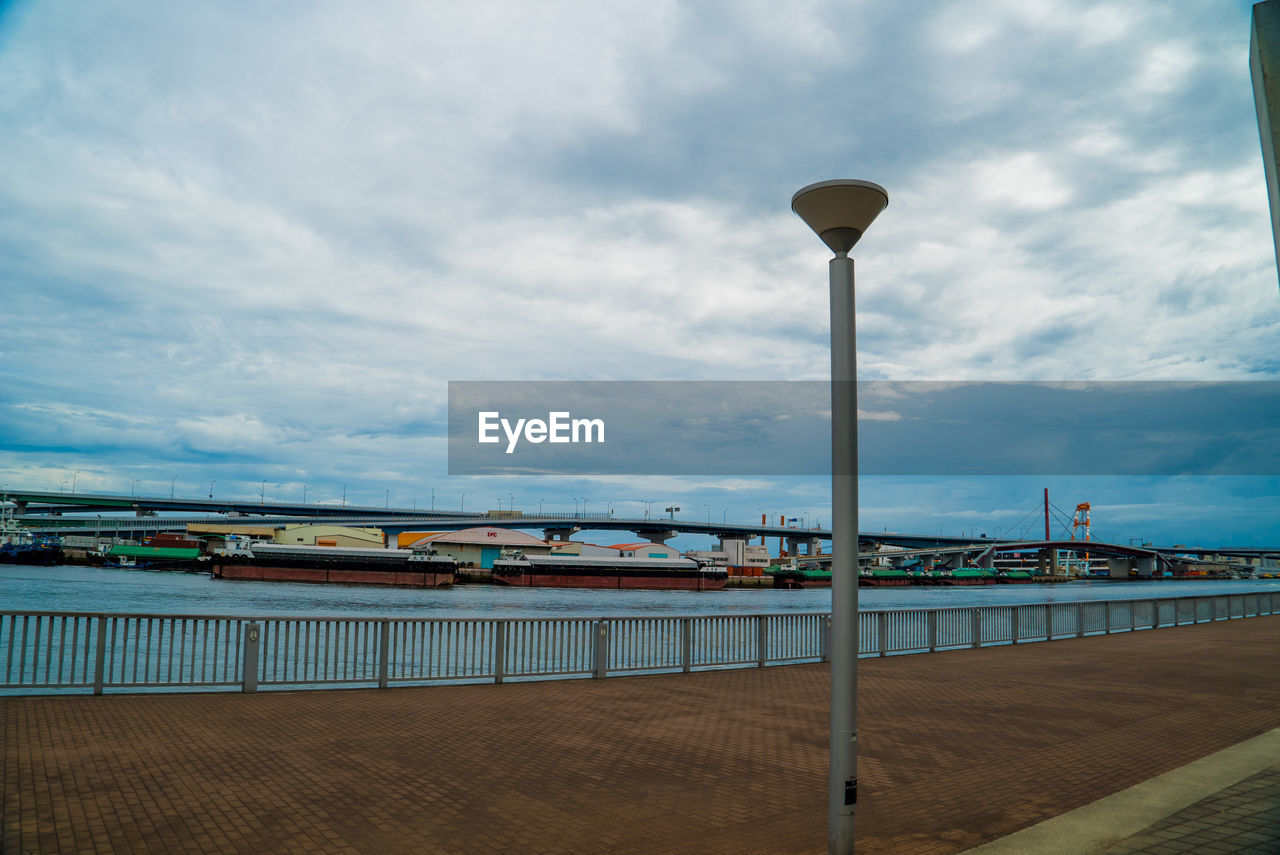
96	589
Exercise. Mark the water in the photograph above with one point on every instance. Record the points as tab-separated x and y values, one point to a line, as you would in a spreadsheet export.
96	589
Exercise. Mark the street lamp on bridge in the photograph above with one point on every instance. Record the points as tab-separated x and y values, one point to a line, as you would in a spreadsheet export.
839	212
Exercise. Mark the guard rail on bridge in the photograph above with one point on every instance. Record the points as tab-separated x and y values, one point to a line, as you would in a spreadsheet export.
67	651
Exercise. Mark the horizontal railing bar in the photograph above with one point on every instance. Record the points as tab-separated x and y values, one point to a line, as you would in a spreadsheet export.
214	651
702	616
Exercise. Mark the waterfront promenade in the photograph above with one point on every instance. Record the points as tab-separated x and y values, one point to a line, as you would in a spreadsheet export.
957	749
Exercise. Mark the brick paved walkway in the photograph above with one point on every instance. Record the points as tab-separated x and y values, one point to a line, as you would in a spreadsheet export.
1243	819
957	749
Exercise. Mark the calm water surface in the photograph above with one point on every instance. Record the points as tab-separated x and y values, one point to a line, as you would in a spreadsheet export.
96	589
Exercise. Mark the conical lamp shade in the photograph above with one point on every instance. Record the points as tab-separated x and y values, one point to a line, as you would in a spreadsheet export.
840	211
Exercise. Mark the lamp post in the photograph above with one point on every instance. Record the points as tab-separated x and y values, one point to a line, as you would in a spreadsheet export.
173	485
839	212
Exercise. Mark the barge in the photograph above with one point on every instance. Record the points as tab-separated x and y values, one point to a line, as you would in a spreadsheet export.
575	571
344	565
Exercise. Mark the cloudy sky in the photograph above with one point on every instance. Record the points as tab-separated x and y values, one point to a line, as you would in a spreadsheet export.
244	242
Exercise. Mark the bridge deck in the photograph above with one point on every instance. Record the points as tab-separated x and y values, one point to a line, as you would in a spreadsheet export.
957	748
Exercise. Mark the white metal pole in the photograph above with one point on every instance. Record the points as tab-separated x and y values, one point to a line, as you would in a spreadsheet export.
843	793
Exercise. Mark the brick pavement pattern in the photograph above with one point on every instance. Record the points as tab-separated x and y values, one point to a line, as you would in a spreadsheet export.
956	749
1243	819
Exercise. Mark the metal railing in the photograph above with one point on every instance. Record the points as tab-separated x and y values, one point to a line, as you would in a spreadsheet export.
64	651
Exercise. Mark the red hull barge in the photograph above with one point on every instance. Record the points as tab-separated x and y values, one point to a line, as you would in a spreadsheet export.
571	571
336	565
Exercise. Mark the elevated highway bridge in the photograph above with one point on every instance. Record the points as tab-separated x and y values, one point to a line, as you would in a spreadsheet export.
136	517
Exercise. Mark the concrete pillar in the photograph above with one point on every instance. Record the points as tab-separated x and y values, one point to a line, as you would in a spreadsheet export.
1146	566
561	533
1042	562
1119	567
657	535
987	560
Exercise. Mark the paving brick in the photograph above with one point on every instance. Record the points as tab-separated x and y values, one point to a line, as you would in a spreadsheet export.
956	749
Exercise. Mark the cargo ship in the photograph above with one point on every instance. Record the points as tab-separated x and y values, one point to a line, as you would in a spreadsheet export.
965	576
575	571
344	565
792	575
40	550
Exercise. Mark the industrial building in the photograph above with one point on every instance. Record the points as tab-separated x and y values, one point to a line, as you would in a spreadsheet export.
480	546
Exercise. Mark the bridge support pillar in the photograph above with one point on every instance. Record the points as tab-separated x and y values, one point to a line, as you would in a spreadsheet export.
987	560
802	546
561	534
1119	567
657	536
1147	566
1049	557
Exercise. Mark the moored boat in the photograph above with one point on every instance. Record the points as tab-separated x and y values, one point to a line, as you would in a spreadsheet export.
967	576
577	571
346	565
884	577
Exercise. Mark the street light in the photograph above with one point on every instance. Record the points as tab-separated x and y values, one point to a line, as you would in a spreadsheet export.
211	483
839	212
173	483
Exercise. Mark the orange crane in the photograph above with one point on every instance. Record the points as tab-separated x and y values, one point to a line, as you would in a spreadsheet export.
1076	522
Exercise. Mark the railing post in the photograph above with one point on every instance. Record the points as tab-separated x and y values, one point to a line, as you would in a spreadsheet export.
602	649
762	640
1079	620
1015	628
826	638
1155	614
384	652
1106	617
977	627
882	633
499	651
1048	622
249	668
931	623
100	657
686	645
